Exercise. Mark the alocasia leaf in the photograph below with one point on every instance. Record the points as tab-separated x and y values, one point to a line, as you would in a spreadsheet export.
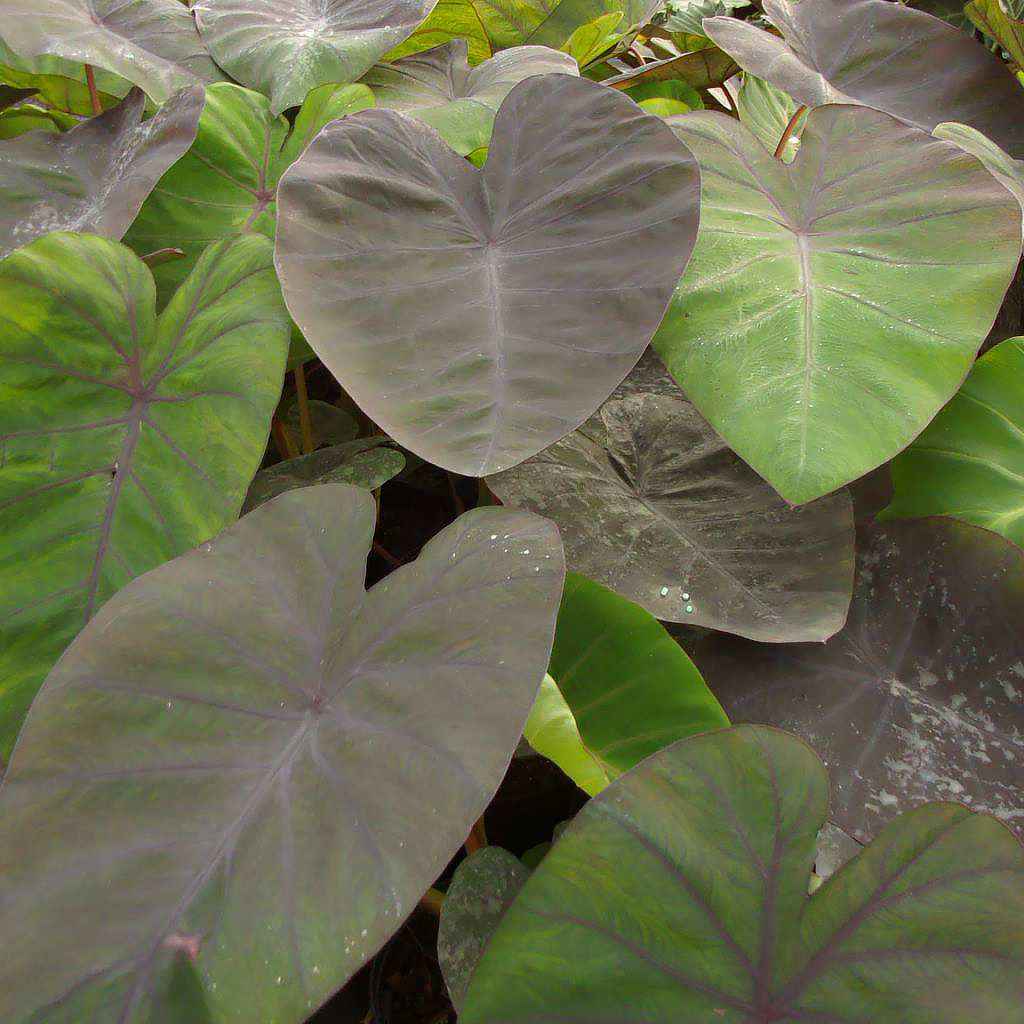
835	304
687	16
1009	172
552	22
449	20
884	55
249	756
125	439
700	69
680	894
478	316
151	43
618	689
921	696
227	182
368	462
95	178
969	463
440	89
481	888
652	504
287	48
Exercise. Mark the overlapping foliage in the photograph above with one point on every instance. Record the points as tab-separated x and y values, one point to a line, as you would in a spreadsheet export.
242	753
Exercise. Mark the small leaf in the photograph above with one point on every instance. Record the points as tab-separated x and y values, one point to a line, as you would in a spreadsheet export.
593	40
969	462
767	111
706	68
95	178
665	99
680	894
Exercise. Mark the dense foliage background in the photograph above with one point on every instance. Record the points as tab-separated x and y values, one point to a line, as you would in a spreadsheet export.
511	509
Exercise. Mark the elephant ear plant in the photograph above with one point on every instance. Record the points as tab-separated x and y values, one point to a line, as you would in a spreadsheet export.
511	512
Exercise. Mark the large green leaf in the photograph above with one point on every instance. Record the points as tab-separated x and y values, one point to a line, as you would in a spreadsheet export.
835	304
652	504
619	688
551	22
95	178
124	439
478	316
449	20
440	89
884	55
227	182
921	696
680	894
151	43
969	463
249	753
287	48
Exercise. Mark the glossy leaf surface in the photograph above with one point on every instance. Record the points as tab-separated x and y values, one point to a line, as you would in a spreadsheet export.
483	885
364	463
969	463
680	894
287	48
249	753
619	688
125	439
507	302
227	182
441	90
95	178
835	304
652	504
884	55
921	697
151	43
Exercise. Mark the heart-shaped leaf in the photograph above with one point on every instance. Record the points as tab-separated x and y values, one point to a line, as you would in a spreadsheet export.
652	504
478	316
368	463
884	55
481	888
287	48
618	689
969	463
95	178
552	22
440	89
249	755
124	439
680	894
227	182
835	304
151	43
921	697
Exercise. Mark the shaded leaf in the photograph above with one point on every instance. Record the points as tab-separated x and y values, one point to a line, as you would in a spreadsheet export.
666	99
652	504
330	424
990	17
248	754
441	90
507	302
707	68
227	182
767	111
921	697
483	885
680	894
95	178
619	688
830	309
151	43
969	462
367	463
884	55
287	48
124	439
688	16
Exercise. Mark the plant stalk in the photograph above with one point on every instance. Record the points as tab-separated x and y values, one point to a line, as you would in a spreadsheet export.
94	96
790	128
305	420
